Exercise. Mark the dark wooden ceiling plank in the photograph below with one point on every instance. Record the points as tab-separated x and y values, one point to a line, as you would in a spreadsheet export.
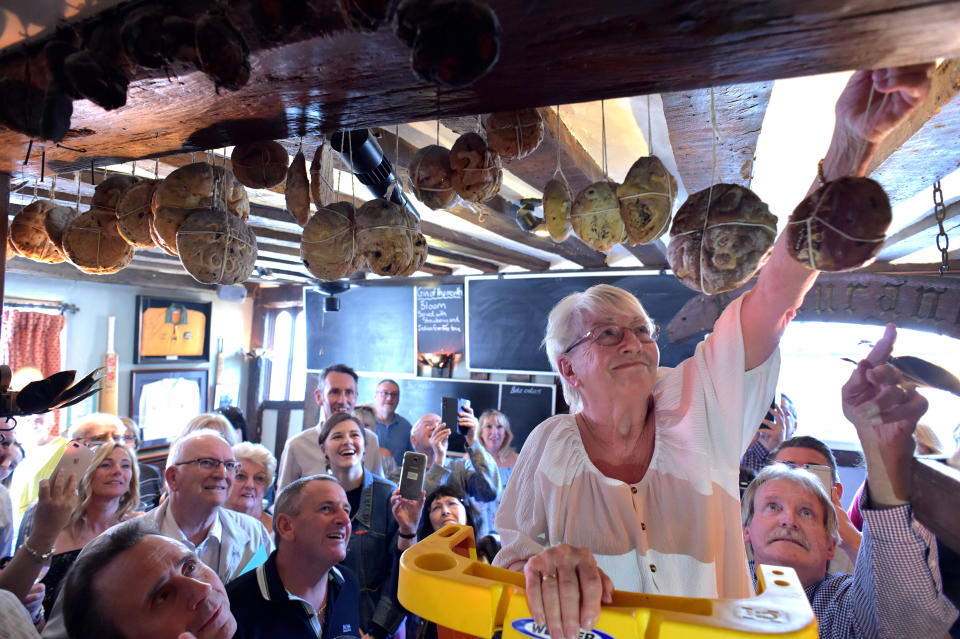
457	242
132	276
436	269
923	149
578	52
740	110
441	256
919	235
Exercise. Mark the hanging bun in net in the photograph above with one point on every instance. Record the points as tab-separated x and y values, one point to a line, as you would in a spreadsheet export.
476	168
431	175
93	243
259	165
216	247
840	226
646	200
720	237
383	237
56	221
133	214
595	216
195	186
514	134
557	203
28	233
328	246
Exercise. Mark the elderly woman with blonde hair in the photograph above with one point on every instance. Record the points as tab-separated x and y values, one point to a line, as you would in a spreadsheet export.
258	469
108	493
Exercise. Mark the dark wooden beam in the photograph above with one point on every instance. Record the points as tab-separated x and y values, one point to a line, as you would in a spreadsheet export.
440	256
924	148
920	235
579	51
132	276
457	242
436	269
739	116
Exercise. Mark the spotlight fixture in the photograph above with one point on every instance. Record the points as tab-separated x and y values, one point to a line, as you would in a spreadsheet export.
331	290
331	304
265	273
529	222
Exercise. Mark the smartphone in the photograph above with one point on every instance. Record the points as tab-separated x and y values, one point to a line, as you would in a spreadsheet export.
824	474
449	412
461	404
75	460
412	474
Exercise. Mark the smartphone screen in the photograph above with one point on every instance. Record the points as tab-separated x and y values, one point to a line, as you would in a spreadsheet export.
75	460
461	404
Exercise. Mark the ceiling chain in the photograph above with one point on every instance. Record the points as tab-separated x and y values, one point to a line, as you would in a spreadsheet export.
943	240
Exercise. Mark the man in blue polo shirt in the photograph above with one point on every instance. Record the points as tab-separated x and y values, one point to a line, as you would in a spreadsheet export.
393	431
299	591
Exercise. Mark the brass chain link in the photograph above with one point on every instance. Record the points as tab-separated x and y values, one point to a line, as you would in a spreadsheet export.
943	240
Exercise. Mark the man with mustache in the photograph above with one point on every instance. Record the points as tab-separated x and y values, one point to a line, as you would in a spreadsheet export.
134	584
299	591
789	520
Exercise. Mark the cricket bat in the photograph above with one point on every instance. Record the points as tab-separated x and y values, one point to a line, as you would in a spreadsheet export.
108	395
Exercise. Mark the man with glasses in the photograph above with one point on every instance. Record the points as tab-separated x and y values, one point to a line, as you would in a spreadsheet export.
96	428
199	475
393	431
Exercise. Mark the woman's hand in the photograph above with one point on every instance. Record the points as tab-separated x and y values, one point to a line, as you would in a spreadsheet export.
406	511
55	502
468	424
33	602
565	588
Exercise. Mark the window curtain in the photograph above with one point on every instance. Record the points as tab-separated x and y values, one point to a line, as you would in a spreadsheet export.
32	339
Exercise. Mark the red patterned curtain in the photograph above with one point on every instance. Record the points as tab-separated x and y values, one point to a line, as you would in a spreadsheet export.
32	339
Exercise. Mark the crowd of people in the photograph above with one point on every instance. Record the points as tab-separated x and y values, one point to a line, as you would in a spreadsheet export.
636	488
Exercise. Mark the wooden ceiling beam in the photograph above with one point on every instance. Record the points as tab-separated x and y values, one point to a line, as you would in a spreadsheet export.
919	235
441	256
739	112
131	276
436	269
454	241
924	148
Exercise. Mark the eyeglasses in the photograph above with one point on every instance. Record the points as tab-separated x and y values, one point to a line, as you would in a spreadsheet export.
612	335
128	439
388	393
210	464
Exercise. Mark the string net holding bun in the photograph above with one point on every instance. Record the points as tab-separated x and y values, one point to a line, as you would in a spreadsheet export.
595	216
93	244
133	214
328	247
646	200
514	134
431	177
28	233
216	247
384	236
841	226
259	165
720	238
477	173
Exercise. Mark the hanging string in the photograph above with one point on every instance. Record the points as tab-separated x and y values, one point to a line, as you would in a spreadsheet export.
438	116
713	179
649	128
156	169
76	179
133	168
603	136
43	162
53	186
478	125
353	191
559	169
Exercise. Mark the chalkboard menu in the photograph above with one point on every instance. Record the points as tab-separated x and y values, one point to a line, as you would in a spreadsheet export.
507	316
372	331
440	319
525	405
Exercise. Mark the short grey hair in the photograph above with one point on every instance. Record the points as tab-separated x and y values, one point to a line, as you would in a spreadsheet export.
259	454
291	497
567	322
95	419
806	479
214	421
176	448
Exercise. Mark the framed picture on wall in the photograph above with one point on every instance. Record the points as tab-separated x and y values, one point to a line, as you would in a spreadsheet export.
163	401
171	330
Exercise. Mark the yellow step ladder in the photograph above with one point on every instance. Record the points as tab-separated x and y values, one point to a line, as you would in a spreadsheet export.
442	581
